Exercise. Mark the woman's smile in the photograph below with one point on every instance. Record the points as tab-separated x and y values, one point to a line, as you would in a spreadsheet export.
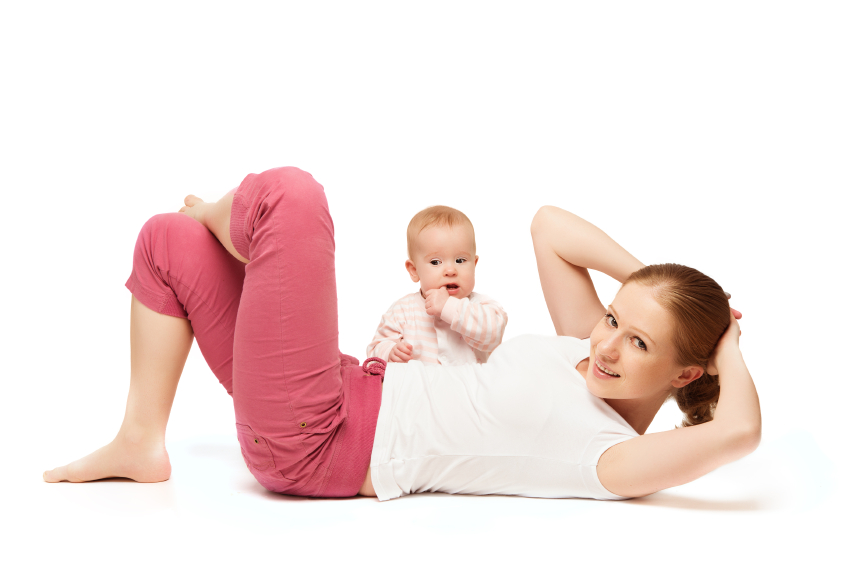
602	372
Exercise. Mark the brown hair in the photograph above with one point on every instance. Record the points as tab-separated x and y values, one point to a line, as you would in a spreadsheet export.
434	216
701	313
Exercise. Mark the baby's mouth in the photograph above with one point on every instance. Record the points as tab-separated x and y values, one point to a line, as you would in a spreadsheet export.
452	289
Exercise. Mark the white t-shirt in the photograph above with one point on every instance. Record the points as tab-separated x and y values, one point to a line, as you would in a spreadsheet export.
522	424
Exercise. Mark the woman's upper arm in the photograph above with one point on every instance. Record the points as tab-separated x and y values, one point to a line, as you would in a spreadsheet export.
569	292
653	462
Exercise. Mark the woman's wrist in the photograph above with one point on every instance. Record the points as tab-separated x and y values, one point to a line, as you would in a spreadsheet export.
728	358
629	265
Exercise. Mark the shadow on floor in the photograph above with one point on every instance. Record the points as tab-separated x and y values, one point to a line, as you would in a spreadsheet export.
673	501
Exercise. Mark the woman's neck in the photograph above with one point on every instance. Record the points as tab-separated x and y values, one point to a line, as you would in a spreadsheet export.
639	413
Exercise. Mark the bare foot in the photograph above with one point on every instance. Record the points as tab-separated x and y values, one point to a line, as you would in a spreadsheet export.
118	459
196	208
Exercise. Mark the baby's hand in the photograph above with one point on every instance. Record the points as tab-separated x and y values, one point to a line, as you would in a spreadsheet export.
434	301
401	352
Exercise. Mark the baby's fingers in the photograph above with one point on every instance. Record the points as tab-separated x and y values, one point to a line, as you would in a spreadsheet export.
402	357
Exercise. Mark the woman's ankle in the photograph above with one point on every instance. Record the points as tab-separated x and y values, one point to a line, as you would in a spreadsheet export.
140	437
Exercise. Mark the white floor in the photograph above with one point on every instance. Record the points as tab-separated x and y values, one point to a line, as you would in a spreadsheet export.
778	506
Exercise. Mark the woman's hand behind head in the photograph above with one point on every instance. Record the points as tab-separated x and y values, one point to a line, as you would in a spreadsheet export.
729	342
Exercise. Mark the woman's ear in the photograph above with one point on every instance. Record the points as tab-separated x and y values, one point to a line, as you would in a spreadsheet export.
413	273
687	376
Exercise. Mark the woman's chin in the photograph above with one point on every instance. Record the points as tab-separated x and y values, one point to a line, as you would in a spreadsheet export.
593	386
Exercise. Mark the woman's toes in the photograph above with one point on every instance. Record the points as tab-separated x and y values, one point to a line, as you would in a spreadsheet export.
54	475
192	200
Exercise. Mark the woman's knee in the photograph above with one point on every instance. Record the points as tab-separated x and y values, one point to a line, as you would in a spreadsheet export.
172	227
294	186
169	222
287	176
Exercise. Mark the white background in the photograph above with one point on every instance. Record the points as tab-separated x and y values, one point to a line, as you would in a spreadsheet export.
709	134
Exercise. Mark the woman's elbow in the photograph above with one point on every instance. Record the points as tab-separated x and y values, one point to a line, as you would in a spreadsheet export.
752	436
744	439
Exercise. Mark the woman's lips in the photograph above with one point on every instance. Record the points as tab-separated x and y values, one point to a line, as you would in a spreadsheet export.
600	374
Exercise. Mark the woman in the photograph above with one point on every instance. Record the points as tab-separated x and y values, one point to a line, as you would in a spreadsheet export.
546	417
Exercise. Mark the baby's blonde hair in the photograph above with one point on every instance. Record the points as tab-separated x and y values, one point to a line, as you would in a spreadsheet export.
435	216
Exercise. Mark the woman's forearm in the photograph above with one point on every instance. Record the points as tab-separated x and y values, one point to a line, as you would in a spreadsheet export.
566	247
582	244
738	407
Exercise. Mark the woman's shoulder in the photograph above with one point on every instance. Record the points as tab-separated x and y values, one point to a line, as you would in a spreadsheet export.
560	343
571	350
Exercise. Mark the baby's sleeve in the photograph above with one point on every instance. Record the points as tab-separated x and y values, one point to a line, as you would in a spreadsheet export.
388	333
481	321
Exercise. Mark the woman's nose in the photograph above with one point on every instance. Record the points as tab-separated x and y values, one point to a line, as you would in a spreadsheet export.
606	347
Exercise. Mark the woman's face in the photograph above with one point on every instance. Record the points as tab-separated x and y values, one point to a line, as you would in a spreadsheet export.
634	342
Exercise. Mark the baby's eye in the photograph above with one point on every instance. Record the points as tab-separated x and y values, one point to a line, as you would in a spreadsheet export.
639	343
435	261
461	260
611	320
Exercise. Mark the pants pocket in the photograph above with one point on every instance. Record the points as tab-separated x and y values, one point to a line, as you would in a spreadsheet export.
255	450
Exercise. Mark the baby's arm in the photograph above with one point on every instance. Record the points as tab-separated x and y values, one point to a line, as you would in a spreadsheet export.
388	343
481	322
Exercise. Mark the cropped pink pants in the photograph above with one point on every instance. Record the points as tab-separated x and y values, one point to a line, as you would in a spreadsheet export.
305	413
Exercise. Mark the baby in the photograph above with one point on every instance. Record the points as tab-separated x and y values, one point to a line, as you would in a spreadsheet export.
444	322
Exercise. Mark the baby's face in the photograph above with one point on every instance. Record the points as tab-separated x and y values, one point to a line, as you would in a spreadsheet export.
444	257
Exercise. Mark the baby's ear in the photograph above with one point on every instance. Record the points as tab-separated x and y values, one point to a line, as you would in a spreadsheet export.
476	259
413	273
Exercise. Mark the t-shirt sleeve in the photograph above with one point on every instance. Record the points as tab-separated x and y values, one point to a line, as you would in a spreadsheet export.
576	350
601	442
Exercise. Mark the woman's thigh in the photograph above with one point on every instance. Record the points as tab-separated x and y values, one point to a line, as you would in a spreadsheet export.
287	384
180	269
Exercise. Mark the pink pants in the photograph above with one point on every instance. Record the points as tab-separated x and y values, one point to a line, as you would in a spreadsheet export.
305	413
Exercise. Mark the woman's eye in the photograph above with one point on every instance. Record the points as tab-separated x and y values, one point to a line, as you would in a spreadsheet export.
611	320
639	343
435	262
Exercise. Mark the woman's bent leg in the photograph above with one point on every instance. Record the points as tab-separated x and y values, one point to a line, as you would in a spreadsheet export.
287	382
184	283
180	269
159	347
